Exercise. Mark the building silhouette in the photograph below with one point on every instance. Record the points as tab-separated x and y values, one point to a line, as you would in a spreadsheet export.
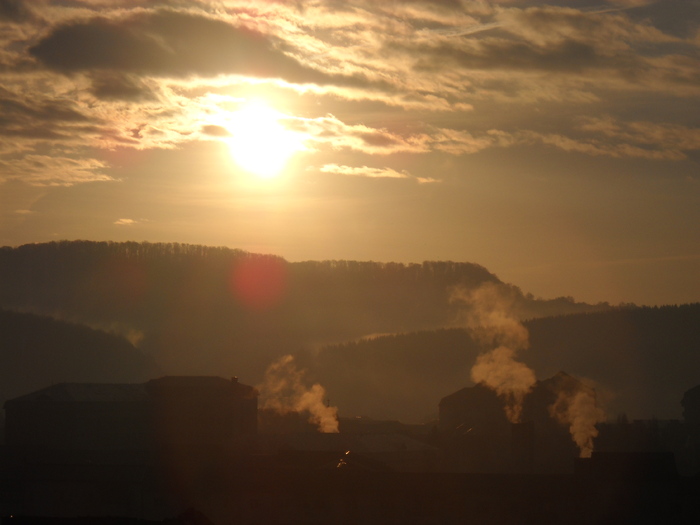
478	437
154	450
124	449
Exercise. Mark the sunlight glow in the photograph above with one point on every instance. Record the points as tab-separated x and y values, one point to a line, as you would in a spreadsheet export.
260	144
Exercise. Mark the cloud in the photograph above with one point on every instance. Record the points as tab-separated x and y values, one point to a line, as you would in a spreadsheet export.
45	170
99	74
215	131
15	10
547	39
609	32
364	171
331	131
570	46
162	43
498	54
670	138
597	148
118	86
125	222
18	110
680	18
170	43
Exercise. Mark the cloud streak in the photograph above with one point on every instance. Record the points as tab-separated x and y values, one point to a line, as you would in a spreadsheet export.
364	171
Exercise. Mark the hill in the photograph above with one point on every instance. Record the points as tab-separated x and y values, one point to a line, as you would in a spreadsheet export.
208	310
38	351
217	311
641	360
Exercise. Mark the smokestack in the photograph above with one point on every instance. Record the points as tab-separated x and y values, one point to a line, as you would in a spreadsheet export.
522	447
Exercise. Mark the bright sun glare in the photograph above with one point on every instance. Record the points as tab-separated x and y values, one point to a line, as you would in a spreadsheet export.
260	144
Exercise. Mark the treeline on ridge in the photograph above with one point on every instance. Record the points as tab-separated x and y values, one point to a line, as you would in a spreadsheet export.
192	304
640	359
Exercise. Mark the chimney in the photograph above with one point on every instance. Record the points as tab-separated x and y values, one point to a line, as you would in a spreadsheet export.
522	447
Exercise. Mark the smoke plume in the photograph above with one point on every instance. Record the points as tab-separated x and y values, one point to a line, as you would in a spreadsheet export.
283	390
490	318
578	409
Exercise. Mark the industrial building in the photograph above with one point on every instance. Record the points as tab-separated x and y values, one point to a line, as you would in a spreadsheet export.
152	451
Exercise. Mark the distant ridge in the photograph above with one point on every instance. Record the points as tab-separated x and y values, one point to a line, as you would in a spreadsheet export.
640	359
200	310
185	305
38	351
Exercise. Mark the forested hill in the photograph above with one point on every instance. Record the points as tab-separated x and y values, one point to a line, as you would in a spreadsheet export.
641	360
37	351
207	310
202	310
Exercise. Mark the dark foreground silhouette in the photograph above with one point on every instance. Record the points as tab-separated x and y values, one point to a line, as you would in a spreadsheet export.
157	451
277	489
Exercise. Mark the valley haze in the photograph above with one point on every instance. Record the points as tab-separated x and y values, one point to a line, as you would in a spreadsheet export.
384	340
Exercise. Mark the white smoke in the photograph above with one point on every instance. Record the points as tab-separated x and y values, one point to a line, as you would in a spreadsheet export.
511	379
490	318
578	409
284	390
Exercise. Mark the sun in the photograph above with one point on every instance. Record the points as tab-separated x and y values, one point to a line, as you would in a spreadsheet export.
260	144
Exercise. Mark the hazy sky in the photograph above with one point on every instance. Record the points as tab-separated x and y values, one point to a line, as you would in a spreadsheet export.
555	143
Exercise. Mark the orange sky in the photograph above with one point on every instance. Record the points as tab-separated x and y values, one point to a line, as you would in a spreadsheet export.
554	143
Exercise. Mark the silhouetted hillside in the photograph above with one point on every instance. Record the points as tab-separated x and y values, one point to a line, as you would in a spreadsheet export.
642	360
400	376
36	352
204	310
646	357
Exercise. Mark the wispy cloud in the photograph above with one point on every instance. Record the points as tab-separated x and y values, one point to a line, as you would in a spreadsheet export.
47	170
125	222
364	171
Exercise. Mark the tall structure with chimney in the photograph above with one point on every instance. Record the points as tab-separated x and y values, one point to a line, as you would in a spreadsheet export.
477	436
125	449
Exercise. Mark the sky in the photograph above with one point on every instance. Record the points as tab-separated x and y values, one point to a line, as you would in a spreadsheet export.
555	143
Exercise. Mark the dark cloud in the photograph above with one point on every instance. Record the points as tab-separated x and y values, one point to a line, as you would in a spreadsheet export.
15	10
117	86
15	110
450	4
32	131
676	17
40	118
215	131
166	43
490	54
378	139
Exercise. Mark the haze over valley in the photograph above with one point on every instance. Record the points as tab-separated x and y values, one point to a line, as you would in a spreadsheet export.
384	340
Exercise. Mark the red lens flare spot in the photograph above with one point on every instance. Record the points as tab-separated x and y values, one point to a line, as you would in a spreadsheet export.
260	283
